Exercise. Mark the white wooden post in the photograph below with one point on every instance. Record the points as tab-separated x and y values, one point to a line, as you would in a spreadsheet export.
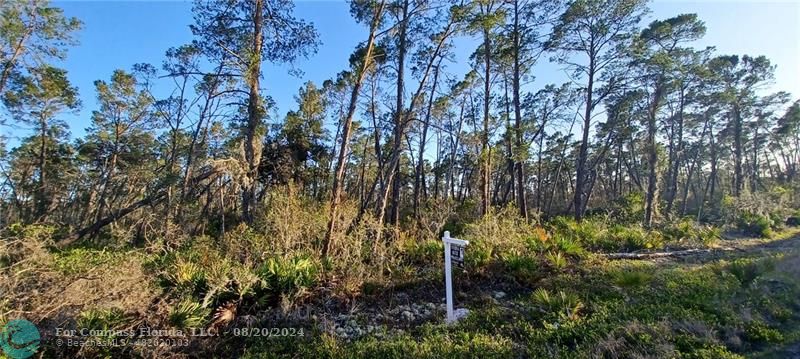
448	275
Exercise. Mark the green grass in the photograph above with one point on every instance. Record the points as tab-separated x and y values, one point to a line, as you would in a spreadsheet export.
80	260
592	311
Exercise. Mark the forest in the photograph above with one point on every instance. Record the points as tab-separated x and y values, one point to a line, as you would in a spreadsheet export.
648	207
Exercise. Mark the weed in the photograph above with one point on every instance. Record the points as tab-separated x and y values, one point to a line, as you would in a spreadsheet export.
747	270
755	224
81	260
631	279
287	276
569	247
758	332
562	304
102	320
557	260
522	267
188	314
424	252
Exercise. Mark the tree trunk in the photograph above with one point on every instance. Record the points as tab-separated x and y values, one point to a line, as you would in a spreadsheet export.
676	159
583	151
651	198
419	178
41	192
399	116
738	180
485	151
519	163
347	129
255	113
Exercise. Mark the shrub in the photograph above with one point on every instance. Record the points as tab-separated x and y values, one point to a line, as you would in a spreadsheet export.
188	314
564	305
755	224
689	232
288	276
539	242
106	320
188	274
104	326
522	267
631	278
292	223
479	254
497	233
758	332
748	270
712	352
632	238
424	252
629	208
569	247
589	230
637	340
557	260
34	232
79	260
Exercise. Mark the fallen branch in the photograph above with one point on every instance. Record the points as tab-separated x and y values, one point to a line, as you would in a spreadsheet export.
652	255
151	200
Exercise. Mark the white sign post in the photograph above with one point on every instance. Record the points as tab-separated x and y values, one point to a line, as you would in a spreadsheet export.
457	245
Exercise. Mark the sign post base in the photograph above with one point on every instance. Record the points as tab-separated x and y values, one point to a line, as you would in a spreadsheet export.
458	314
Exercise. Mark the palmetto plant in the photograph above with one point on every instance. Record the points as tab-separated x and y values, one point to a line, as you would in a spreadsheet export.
566	306
557	260
188	314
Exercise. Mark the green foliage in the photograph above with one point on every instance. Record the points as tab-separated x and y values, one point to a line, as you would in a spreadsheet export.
631	279
288	276
42	31
755	224
80	260
597	234
188	274
496	233
689	232
431	345
188	314
760	333
637	340
632	238
522	267
566	306
479	255
103	326
424	252
557	260
713	352
747	271
34	232
629	208
105	320
589	230
569	247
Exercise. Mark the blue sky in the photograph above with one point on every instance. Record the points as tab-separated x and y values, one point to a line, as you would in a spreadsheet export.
118	34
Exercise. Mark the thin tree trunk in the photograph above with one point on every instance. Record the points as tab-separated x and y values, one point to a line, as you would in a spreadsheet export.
519	163
340	166
583	151
485	151
419	178
255	112
651	200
